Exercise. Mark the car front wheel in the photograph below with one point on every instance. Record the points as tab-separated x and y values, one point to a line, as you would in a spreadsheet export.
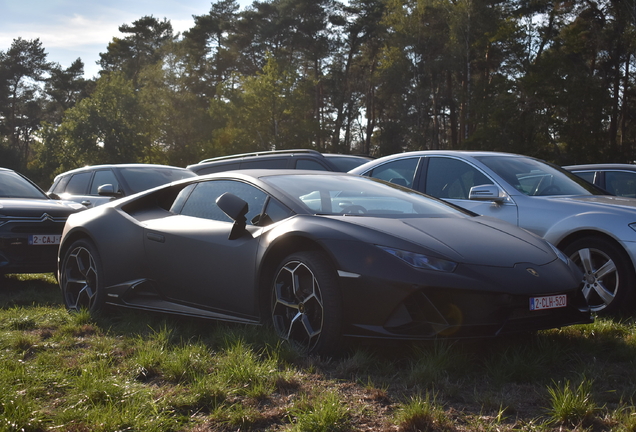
80	278
306	303
607	275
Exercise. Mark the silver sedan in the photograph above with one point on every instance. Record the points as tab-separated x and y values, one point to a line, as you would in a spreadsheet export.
597	231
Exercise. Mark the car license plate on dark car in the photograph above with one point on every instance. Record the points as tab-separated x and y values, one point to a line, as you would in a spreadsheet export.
44	239
548	302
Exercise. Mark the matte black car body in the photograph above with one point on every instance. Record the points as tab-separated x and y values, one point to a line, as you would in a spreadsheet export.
321	266
25	212
617	179
280	159
98	184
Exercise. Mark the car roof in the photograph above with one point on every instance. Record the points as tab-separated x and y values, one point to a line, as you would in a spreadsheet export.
123	165
261	153
603	166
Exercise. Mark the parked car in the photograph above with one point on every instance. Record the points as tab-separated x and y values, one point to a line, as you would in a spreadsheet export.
595	230
31	225
98	184
617	179
320	255
281	159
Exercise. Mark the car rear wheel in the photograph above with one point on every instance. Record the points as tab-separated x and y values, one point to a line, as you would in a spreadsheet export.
306	303
607	275
80	278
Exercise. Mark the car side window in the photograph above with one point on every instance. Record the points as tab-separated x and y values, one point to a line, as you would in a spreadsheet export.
201	202
621	183
401	172
60	186
103	177
308	164
588	176
451	178
78	184
265	163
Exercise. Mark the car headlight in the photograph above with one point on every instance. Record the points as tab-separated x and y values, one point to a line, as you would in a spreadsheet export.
422	261
559	254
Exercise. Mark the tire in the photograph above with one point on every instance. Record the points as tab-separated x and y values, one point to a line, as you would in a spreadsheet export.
306	304
80	278
608	276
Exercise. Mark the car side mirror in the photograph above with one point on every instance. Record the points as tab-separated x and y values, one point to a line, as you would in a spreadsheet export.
53	196
236	209
108	190
487	192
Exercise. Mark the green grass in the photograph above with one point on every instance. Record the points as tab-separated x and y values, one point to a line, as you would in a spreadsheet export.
145	372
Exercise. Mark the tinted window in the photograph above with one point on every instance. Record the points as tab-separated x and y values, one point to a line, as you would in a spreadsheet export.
13	185
346	163
201	202
621	183
451	178
78	184
587	175
142	178
309	164
59	187
266	163
401	172
103	177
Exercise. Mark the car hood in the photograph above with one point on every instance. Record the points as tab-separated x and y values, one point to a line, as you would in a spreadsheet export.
479	240
35	208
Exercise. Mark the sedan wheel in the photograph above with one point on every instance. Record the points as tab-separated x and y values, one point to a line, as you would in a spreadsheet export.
607	276
80	278
306	305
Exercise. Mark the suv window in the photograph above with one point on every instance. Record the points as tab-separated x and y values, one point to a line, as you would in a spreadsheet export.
310	165
78	184
452	178
103	177
264	163
621	183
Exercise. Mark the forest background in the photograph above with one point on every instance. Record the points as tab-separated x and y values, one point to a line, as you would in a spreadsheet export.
547	78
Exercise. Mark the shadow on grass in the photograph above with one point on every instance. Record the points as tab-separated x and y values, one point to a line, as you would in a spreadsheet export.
29	289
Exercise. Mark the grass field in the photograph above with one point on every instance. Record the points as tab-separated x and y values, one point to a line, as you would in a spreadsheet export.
143	372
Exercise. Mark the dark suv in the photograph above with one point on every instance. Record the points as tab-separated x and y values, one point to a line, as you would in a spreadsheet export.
280	159
98	184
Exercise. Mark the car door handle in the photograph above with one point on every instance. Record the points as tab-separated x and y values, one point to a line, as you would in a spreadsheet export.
156	237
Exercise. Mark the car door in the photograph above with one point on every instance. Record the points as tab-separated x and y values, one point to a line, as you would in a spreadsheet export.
451	179
191	258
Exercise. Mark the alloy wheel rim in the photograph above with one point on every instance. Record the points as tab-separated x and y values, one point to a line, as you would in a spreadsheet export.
297	307
80	279
600	277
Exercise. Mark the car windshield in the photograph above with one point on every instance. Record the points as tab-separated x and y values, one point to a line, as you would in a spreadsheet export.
535	178
143	178
13	185
339	194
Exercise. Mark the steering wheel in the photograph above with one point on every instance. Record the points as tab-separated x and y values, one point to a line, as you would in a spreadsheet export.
353	209
549	189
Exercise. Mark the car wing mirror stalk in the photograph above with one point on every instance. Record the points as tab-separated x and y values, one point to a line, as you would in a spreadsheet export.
487	192
236	209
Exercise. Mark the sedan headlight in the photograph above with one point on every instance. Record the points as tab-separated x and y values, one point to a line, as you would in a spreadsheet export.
421	261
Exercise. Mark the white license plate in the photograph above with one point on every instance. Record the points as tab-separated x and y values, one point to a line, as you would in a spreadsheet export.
548	302
44	239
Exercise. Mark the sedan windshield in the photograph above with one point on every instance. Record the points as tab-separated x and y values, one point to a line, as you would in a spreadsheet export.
13	185
339	195
535	178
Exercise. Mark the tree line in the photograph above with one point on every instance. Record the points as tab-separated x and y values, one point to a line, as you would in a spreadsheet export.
547	78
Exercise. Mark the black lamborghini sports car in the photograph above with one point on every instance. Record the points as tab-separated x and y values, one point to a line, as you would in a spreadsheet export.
321	256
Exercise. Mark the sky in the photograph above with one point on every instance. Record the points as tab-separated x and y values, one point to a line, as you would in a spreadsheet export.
69	29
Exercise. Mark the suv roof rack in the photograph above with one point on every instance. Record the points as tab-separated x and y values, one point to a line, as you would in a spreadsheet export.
269	152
